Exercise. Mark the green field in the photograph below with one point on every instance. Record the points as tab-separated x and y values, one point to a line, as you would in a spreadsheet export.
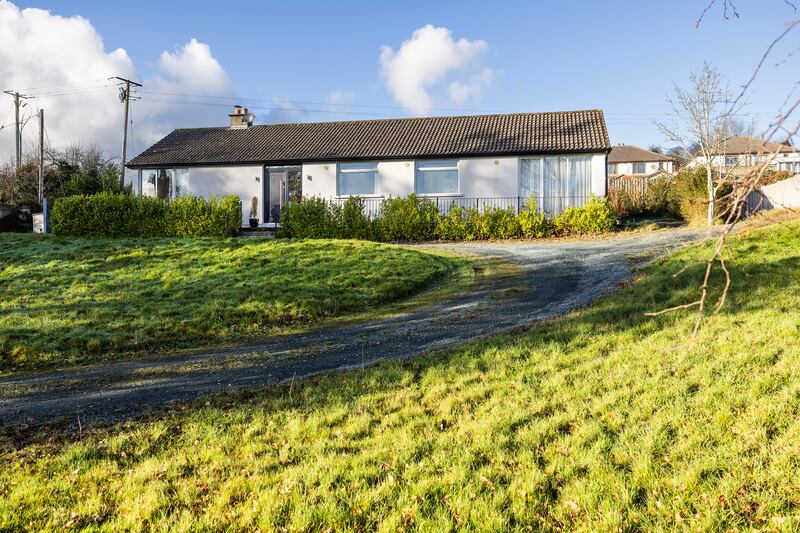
601	420
69	300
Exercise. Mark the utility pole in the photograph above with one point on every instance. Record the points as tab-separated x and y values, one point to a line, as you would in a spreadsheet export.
17	137
41	156
124	97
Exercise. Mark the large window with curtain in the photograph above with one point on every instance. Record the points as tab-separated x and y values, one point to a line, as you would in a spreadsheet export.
357	179
556	182
436	177
165	183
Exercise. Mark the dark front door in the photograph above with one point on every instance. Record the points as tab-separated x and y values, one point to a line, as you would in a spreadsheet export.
282	184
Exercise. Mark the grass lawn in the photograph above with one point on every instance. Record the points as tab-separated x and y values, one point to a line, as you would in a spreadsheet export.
601	420
75	300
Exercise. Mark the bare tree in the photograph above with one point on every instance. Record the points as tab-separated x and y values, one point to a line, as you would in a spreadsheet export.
782	130
702	122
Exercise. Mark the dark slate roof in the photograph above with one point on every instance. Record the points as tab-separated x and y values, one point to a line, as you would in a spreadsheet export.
626	153
474	135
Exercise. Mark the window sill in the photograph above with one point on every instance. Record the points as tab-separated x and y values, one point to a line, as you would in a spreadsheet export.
346	196
440	195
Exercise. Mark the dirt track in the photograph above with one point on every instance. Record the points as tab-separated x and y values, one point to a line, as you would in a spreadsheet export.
556	277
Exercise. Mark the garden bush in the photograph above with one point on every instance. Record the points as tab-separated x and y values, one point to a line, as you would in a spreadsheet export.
628	203
193	216
492	224
453	226
661	198
312	218
126	215
595	217
418	219
109	215
352	222
533	225
408	219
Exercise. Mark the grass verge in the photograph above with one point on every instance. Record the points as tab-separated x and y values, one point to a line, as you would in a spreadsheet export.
66	301
601	420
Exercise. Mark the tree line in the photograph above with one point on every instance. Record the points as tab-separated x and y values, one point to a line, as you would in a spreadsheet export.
76	169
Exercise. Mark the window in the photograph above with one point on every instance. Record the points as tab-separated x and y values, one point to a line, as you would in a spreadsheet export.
436	177
731	161
357	179
638	168
530	178
165	183
612	168
556	182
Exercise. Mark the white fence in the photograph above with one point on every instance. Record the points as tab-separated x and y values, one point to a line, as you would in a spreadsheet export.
781	195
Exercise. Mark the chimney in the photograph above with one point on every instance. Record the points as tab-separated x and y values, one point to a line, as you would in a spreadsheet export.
240	118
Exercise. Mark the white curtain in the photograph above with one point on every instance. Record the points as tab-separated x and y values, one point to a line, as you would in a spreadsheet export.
530	182
357	178
437	177
567	182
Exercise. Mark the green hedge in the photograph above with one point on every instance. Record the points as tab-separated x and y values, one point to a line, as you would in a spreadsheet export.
193	216
417	219
125	215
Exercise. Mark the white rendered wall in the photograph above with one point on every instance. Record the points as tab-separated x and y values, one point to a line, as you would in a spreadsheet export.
395	178
493	177
599	177
319	179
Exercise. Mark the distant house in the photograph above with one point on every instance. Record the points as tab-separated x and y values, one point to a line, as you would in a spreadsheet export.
480	161
629	160
747	152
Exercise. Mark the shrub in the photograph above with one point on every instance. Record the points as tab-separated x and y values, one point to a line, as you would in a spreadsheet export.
596	216
453	225
352	222
125	215
311	218
661	198
492	224
109	215
692	194
408	219
418	219
533	225
193	216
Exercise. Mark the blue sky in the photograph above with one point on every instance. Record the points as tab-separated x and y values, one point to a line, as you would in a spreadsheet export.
619	56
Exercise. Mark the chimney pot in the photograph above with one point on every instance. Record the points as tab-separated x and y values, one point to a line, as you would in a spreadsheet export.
240	118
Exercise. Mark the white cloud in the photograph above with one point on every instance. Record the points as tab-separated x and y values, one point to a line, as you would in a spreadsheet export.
38	49
189	70
339	97
430	62
67	55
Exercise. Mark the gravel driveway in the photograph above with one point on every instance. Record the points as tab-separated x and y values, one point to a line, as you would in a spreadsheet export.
555	278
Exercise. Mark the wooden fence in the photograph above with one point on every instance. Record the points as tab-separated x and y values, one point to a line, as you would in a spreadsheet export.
635	186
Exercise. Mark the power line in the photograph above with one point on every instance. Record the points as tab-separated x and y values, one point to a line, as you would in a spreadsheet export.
61	85
310	110
71	92
266	108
